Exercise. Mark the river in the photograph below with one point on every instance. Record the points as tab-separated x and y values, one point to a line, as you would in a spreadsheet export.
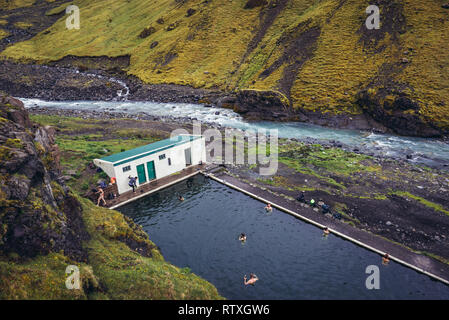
426	151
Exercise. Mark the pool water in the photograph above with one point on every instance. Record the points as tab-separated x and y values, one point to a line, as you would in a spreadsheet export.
291	258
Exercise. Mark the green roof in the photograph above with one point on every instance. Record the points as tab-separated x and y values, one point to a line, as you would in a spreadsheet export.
133	154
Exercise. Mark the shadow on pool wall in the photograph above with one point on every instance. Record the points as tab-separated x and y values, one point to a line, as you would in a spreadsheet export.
291	258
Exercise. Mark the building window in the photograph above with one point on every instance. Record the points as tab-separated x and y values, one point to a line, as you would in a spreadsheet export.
169	161
162	157
127	168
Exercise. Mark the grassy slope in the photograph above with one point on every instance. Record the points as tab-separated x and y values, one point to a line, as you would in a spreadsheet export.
207	48
113	272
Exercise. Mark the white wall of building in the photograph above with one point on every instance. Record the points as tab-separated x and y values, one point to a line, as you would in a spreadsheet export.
162	168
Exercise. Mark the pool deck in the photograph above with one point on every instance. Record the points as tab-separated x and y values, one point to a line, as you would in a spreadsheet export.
421	263
154	186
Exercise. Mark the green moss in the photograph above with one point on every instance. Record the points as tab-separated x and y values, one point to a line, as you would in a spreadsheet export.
14	4
3	34
14	143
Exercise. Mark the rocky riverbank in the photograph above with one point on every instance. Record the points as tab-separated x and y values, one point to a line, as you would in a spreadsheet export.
61	82
182	121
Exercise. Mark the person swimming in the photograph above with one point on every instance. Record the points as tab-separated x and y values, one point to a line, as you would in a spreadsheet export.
385	259
181	198
242	237
252	279
269	208
326	231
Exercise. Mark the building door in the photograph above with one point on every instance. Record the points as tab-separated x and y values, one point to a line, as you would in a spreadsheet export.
141	173
188	155
151	171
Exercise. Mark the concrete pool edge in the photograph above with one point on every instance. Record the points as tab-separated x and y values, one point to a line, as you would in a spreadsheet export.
442	277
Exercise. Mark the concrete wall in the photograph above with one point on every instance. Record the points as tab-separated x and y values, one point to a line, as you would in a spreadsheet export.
162	168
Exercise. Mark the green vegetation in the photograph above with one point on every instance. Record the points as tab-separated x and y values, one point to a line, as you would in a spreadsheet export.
120	263
79	146
113	271
14	4
3	34
128	275
427	203
225	46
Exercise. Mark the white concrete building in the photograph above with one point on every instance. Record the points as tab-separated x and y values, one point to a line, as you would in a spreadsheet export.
154	161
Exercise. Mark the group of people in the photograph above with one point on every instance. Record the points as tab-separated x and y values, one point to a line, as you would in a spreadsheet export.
324	207
252	277
242	238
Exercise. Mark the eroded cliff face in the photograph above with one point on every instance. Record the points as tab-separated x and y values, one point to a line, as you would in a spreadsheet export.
38	214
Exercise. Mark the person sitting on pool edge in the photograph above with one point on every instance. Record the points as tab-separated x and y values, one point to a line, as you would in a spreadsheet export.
242	237
268	208
252	279
301	197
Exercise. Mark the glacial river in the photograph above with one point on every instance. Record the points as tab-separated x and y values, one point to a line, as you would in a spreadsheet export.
432	152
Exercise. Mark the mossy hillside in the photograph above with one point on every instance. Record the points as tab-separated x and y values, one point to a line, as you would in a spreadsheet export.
3	34
128	275
112	28
113	270
427	203
42	278
210	48
428	44
14	4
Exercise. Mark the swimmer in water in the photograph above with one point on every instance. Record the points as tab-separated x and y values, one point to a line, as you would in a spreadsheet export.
252	279
268	208
181	198
326	231
385	259
242	237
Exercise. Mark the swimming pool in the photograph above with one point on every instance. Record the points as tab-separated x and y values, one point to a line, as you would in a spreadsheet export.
291	258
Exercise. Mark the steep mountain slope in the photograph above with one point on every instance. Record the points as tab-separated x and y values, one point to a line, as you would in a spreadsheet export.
316	58
45	227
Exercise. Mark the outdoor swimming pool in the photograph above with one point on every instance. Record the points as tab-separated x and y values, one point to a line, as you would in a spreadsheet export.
291	258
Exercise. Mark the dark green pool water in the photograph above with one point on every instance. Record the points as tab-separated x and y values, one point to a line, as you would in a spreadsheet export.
291	258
